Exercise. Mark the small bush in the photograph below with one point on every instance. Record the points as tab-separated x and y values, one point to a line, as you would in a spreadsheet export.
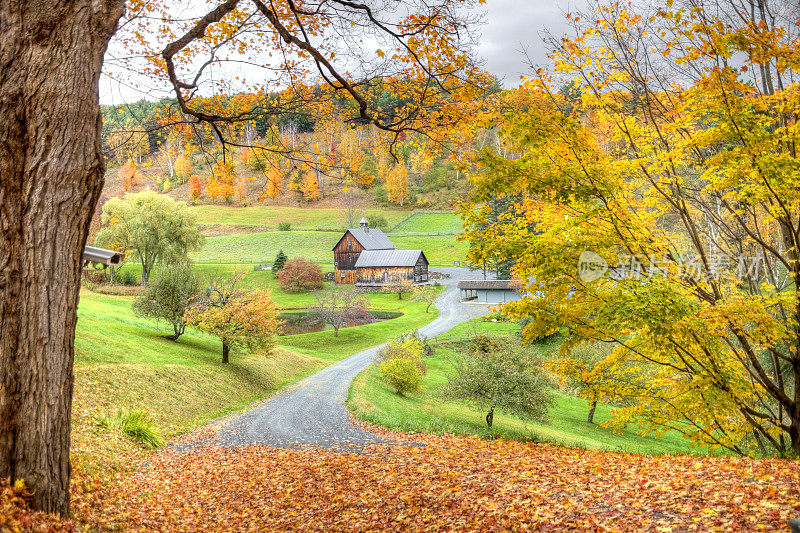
135	425
377	221
402	374
284	226
125	277
300	275
496	317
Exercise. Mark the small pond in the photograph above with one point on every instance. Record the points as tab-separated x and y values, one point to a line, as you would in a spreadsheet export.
297	322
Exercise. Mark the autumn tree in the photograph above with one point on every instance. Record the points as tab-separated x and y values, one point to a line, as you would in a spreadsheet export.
426	294
669	211
240	318
195	187
339	307
222	183
300	275
50	64
399	286
587	370
498	373
183	167
152	227
129	175
397	183
167	297
309	185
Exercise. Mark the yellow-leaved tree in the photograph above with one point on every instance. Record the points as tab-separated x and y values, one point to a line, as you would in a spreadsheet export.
656	204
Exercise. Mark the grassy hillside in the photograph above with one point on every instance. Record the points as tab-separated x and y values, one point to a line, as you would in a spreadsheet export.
314	245
429	223
123	363
270	216
371	399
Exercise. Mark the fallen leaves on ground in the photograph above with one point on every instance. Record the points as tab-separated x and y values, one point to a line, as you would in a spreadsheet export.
16	515
453	483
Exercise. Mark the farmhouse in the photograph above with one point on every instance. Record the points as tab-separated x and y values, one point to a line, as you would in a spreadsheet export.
365	256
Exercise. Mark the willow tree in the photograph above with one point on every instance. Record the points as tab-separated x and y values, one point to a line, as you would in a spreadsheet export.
52	166
668	203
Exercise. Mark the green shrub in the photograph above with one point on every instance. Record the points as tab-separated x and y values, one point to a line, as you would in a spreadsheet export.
377	221
496	317
125	277
284	226
135	425
402	374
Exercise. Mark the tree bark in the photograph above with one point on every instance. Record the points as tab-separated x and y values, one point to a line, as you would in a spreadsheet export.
51	174
226	350
592	407
490	417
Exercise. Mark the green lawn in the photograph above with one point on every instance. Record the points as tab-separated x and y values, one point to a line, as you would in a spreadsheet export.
478	326
270	216
436	247
372	400
123	362
429	223
315	245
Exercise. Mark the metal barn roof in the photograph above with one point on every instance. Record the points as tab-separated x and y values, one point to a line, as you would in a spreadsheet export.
490	284
101	256
388	258
371	239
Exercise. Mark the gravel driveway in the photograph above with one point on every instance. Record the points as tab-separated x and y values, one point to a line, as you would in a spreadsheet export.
313	412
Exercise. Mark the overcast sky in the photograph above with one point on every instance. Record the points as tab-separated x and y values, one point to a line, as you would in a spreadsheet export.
511	26
516	25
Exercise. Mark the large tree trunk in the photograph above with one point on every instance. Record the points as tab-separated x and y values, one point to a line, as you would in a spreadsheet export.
226	350
51	173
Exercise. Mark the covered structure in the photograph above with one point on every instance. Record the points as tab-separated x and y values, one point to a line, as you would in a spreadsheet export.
490	291
376	267
100	257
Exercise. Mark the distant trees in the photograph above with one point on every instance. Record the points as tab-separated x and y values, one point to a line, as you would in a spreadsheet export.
246	319
340	306
168	296
152	226
300	275
426	294
499	373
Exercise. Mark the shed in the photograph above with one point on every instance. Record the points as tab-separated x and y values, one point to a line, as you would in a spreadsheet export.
100	257
376	267
490	291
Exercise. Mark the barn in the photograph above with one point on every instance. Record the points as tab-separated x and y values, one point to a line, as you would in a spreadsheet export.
376	267
365	256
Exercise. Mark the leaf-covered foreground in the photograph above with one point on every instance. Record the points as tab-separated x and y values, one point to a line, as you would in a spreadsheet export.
16	514
449	483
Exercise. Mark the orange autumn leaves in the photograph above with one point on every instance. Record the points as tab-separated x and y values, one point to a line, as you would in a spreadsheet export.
454	483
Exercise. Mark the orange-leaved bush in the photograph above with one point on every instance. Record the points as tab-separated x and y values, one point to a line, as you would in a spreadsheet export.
300	275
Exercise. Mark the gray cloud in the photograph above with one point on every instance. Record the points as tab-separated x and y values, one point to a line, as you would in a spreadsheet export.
512	26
